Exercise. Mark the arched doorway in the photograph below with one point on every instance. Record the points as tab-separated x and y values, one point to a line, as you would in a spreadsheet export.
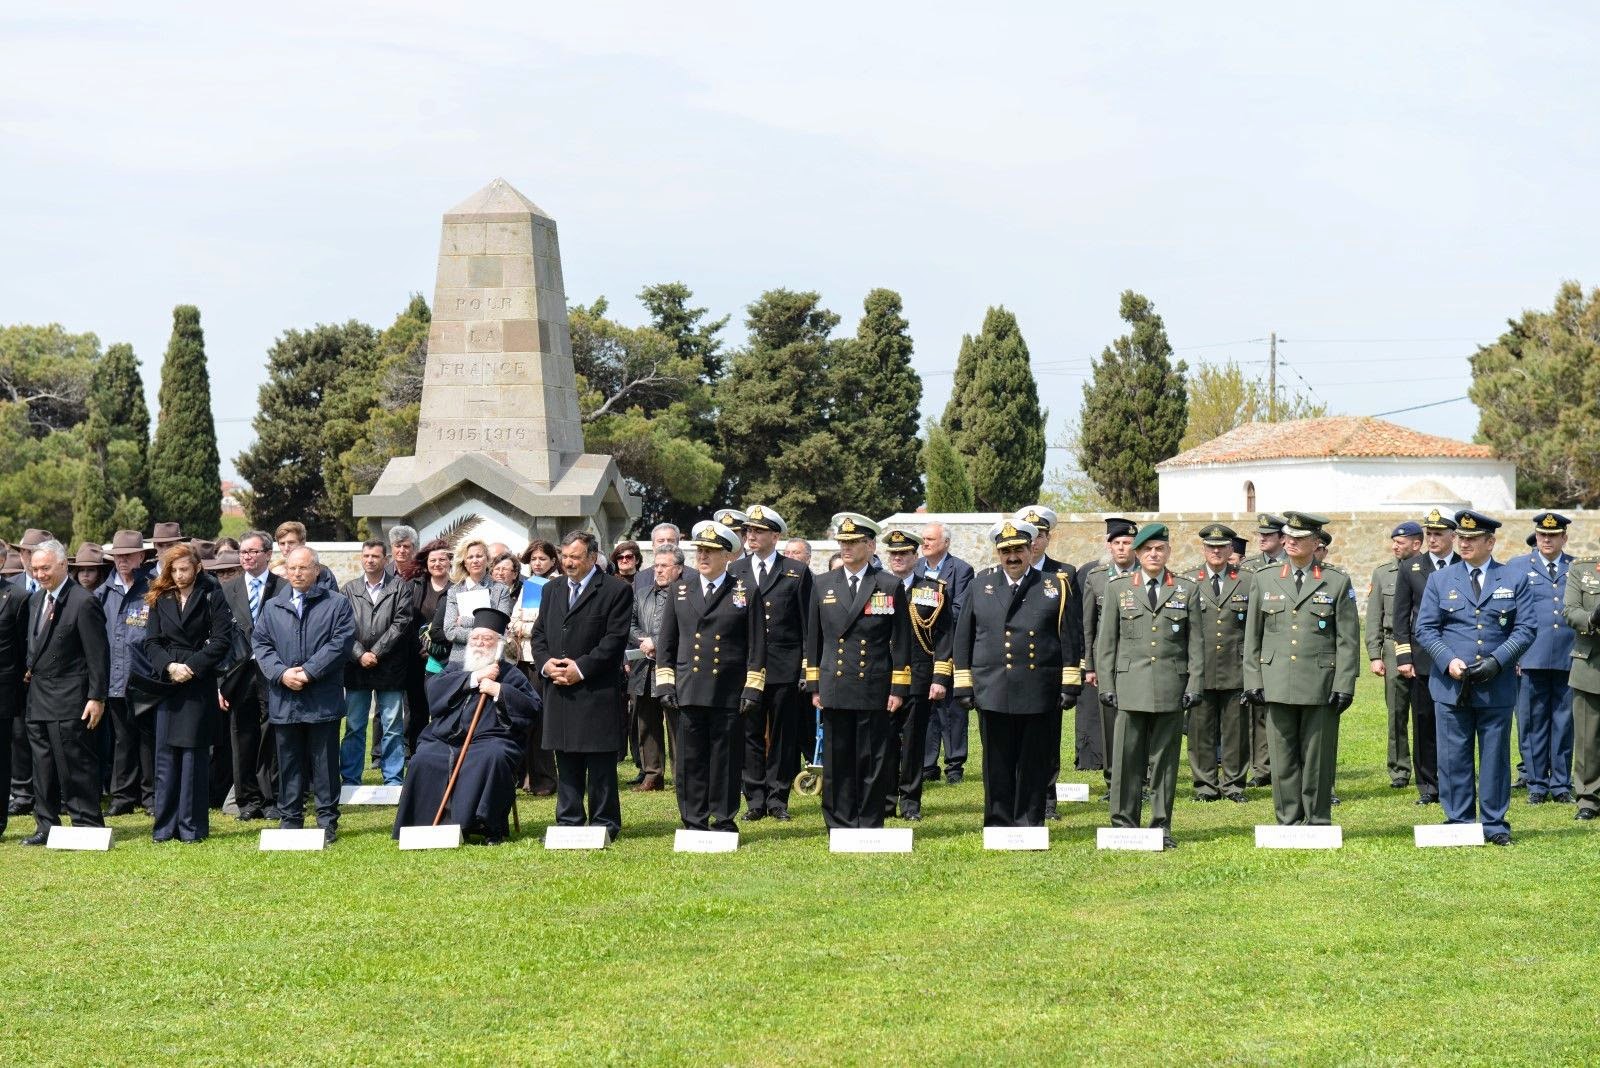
1249	496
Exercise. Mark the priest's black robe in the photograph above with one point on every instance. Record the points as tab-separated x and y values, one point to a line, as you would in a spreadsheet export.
486	786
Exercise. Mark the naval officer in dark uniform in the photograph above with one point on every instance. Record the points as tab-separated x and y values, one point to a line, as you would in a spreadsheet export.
1477	619
711	654
858	672
1017	657
928	602
1044	520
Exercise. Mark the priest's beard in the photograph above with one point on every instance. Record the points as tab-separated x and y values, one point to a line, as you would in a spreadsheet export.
478	659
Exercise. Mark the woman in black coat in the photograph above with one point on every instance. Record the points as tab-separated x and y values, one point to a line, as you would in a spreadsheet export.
186	639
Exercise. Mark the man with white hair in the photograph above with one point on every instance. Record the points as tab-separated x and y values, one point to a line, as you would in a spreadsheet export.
486	785
68	668
947	723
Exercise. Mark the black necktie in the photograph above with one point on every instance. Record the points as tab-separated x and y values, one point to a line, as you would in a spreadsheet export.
1299	577
1477	582
1150	591
761	573
710	588
853	580
1216	585
1552	571
1438	565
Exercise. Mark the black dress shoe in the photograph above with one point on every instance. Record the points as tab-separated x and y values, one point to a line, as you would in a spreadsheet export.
1208	797
1399	784
494	840
1563	798
19	808
38	838
1537	799
1239	799
1050	811
913	816
330	835
122	808
1426	799
636	780
1501	839
1521	783
1585	814
953	778
780	814
1260	780
1168	842
752	815
252	813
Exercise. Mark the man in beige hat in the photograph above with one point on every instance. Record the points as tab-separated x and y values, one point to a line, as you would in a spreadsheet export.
133	737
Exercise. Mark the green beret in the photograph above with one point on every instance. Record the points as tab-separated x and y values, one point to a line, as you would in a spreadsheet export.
1151	532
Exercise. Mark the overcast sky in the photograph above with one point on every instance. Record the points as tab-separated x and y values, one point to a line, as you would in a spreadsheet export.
1381	184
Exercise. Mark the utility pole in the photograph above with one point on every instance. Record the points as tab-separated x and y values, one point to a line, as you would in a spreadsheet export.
1272	380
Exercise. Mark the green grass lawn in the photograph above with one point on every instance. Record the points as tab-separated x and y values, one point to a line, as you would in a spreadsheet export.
783	954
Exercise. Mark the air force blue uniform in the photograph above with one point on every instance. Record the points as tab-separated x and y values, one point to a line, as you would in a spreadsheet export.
1454	623
1544	699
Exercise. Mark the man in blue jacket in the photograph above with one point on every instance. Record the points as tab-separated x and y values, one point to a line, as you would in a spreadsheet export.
1544	700
1477	619
299	642
133	753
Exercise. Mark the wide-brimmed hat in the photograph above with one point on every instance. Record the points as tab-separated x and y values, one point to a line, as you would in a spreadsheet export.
167	533
124	542
89	555
225	560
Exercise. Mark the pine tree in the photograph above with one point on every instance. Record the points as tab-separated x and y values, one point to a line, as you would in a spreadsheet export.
1135	409
185	472
358	451
307	370
668	305
129	513
774	413
879	399
948	488
116	395
993	417
92	506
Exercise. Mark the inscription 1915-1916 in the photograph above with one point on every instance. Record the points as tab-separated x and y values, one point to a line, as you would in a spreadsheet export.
481	435
477	369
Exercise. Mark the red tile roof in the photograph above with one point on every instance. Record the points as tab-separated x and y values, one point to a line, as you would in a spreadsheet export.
1330	436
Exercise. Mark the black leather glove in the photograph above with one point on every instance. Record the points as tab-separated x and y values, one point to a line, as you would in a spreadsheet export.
1483	670
1254	697
747	706
1594	617
1068	700
1340	701
668	701
1189	700
1108	699
966	703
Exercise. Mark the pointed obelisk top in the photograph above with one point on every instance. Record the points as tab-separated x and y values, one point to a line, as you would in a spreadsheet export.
498	201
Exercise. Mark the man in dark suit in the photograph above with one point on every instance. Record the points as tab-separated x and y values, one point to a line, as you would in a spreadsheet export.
712	657
69	664
1411	659
858	672
947	723
579	641
13	665
20	574
772	731
244	690
1018	648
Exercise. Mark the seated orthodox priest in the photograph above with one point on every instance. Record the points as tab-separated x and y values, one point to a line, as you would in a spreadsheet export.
487	782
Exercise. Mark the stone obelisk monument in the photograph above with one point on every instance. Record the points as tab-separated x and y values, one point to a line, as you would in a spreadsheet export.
499	435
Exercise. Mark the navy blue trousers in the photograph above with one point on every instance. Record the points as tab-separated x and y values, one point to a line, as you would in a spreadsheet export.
1484	735
1544	731
183	787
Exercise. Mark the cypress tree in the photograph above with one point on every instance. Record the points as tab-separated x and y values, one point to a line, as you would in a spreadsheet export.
948	488
185	472
1135	409
879	398
773	426
994	419
116	395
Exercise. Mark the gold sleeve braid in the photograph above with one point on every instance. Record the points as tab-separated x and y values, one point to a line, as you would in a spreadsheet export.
666	676
755	680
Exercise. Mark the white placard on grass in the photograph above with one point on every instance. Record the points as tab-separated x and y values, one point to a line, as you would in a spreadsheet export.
576	837
869	840
369	795
1072	791
286	840
1018	838
704	842
94	839
444	836
1449	834
1270	836
1137	839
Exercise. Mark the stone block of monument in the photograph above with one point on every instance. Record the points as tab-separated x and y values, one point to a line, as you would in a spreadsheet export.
499	435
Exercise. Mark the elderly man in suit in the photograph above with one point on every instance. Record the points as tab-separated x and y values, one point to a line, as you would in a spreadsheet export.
69	665
20	575
579	641
1477	619
947	721
244	689
13	664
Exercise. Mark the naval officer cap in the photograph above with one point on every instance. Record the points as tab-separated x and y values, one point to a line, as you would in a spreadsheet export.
762	517
1470	524
1324	537
1303	524
730	517
1240	546
712	534
1218	534
1550	523
1268	523
1039	516
1118	527
1434	520
900	541
1013	534
852	526
1151	532
1409	529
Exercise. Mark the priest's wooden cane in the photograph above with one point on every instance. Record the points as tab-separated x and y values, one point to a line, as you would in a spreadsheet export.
450	786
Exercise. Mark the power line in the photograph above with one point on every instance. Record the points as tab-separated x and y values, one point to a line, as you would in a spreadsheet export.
1380	340
1419	407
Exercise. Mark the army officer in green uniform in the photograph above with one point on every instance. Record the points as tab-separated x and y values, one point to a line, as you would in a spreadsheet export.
1220	719
1582	605
1151	659
1302	648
